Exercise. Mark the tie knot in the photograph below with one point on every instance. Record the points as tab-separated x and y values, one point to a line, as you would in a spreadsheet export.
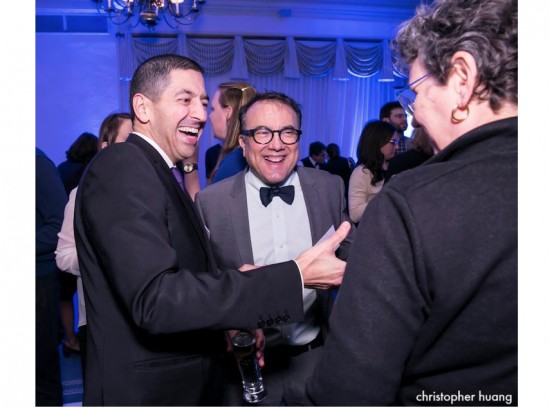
286	193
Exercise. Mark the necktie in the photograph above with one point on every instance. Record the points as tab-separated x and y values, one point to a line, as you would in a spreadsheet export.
286	193
179	176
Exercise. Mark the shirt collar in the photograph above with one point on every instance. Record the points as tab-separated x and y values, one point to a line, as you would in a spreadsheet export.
252	180
157	148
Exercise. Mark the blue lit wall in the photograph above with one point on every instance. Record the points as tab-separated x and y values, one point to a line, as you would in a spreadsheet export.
76	87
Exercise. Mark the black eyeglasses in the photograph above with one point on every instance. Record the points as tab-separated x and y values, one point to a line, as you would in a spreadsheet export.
263	135
407	96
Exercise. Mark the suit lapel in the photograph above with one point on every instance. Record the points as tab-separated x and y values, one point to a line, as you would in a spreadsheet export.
238	211
165	173
312	198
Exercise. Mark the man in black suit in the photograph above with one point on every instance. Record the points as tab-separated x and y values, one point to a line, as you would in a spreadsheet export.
156	303
317	156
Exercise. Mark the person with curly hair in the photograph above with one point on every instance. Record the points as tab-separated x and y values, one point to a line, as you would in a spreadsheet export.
427	313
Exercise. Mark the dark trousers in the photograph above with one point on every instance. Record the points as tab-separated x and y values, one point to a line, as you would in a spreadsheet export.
82	335
49	391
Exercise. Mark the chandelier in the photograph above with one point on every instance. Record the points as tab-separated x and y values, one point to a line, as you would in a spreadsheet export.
149	12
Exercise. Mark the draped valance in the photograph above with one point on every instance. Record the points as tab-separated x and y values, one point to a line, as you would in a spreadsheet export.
241	56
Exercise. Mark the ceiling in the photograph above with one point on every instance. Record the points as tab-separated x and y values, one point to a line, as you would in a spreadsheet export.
371	19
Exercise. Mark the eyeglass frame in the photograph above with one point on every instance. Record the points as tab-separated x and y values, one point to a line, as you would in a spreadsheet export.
251	132
407	96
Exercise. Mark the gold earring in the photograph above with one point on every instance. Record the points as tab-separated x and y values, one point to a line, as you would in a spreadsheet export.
454	119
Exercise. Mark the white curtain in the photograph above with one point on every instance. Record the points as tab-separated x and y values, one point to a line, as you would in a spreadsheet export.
335	82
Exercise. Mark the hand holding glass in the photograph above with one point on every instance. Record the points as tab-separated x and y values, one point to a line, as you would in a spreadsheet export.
244	347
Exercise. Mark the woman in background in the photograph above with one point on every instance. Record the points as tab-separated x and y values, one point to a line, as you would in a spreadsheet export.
378	143
115	128
228	99
80	153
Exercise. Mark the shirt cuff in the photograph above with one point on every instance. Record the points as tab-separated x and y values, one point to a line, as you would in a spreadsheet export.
301	277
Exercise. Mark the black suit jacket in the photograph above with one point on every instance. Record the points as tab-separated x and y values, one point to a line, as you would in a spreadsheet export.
429	301
155	302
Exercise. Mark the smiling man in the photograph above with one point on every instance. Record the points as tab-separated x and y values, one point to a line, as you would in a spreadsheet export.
156	305
269	213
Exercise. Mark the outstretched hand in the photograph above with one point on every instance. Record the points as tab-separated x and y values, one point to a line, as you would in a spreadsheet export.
319	266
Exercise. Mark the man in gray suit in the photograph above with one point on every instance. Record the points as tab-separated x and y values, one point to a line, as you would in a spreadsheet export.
268	213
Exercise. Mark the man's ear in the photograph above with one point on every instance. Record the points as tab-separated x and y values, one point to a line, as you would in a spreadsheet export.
463	77
386	120
242	143
141	106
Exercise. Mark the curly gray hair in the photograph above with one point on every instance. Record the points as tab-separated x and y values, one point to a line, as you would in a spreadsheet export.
487	29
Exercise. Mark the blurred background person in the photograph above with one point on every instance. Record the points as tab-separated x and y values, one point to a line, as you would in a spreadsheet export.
393	113
429	300
317	156
340	166
211	158
224	118
80	153
50	201
377	144
420	150
83	149
115	128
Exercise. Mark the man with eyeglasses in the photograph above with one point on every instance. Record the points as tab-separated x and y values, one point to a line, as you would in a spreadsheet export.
268	213
393	112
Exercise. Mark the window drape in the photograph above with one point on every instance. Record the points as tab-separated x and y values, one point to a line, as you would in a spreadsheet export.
336	82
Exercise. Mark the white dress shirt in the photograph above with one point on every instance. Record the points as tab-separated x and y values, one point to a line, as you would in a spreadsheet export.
280	232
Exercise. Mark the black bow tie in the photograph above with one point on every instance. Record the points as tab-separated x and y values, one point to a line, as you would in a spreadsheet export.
286	193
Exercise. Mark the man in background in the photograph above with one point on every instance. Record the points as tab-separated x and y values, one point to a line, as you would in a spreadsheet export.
317	156
393	112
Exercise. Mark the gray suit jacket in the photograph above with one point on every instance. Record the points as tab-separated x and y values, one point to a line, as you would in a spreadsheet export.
223	208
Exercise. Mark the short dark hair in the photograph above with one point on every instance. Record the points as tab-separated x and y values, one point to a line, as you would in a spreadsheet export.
83	149
487	29
333	150
152	76
375	134
385	111
270	96
316	148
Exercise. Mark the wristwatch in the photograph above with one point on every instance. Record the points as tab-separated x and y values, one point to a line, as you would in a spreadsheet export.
189	167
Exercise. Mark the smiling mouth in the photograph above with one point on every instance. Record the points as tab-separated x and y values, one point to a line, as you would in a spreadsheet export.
189	131
274	159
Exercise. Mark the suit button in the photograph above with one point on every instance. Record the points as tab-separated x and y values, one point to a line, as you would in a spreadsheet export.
270	322
278	320
261	324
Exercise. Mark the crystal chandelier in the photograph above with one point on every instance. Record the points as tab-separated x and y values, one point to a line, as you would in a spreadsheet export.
149	12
